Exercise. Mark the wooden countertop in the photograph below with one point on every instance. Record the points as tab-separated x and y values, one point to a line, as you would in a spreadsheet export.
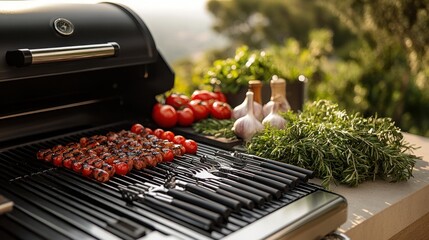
379	209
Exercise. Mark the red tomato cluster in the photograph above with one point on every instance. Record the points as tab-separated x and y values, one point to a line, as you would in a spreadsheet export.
181	110
190	145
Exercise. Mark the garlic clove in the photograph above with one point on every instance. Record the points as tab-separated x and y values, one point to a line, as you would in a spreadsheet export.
241	110
284	105
274	119
245	127
248	125
257	110
267	108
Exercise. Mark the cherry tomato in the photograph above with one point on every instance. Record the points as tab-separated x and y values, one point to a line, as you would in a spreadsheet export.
200	109
157	106
137	128
167	155
41	154
121	168
164	115
67	163
209	104
177	100
185	117
109	159
190	146
58	160
148	131
219	96
182	149
87	170
83	141
220	110
168	135
57	148
203	95
179	139
158	132
77	166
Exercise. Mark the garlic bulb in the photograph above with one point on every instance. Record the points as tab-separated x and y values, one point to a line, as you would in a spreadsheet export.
283	106
241	110
245	127
274	119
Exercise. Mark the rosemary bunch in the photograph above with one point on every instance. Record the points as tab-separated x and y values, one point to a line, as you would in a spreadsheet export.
339	147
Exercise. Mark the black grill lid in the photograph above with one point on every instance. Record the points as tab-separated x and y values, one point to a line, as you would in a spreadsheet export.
71	66
41	39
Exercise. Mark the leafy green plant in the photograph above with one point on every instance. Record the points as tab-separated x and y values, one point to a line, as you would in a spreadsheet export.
246	65
339	147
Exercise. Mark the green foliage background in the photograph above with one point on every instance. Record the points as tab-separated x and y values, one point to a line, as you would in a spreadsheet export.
368	56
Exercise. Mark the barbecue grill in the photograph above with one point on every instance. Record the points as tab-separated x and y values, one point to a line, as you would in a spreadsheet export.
76	70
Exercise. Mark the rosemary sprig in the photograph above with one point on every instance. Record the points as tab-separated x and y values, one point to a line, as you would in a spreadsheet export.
216	128
339	147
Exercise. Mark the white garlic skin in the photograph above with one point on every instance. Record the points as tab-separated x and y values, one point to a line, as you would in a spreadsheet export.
284	106
274	119
246	126
241	110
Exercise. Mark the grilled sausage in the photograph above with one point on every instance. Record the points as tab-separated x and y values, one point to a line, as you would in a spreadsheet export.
139	164
100	175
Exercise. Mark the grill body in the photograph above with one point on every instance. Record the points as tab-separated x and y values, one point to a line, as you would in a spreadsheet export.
78	70
68	93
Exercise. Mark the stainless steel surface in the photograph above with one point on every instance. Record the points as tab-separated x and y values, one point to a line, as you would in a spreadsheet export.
290	221
71	53
5	205
155	235
336	236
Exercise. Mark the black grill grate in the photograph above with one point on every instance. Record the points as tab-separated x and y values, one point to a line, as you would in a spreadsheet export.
55	203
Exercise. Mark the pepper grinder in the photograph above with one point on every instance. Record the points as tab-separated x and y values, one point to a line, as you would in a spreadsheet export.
256	87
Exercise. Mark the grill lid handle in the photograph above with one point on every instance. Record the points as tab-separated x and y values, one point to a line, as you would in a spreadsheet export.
26	57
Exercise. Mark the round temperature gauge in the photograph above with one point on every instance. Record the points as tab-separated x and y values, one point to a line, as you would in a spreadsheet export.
63	26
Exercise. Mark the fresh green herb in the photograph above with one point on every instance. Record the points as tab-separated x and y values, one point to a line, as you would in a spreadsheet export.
339	147
216	128
236	72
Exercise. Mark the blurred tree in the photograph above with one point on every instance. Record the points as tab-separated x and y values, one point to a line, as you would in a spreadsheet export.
393	53
260	24
404	22
374	60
